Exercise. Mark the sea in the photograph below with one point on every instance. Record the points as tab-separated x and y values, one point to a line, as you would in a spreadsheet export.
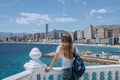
13	56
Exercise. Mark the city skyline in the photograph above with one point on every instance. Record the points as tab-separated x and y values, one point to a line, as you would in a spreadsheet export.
32	16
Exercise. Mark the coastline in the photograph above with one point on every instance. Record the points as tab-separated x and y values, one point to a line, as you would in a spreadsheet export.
22	57
99	45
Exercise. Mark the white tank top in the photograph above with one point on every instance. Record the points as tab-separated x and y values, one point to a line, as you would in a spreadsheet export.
66	63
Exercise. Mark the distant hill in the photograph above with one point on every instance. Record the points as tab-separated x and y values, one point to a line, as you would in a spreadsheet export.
9	34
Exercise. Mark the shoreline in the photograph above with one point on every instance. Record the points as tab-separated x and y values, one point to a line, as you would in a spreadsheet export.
90	59
99	45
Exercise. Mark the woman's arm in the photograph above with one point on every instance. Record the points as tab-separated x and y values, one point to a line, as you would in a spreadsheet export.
52	63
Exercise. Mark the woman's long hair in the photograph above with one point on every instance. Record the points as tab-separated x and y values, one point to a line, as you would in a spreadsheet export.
66	47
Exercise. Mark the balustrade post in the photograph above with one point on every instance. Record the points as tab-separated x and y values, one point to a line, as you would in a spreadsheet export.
106	75
113	75
35	65
90	75
81	78
98	75
55	76
118	75
119	58
47	77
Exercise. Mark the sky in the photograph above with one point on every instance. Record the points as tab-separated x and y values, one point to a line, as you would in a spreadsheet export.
31	16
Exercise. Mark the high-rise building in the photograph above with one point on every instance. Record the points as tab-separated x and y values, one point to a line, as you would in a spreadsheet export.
46	31
80	35
88	32
107	31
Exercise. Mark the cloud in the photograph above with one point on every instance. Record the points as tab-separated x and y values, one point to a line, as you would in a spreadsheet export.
36	30
96	11
39	19
84	3
102	11
99	17
32	18
22	21
3	16
76	1
62	19
88	17
63	14
61	1
99	11
92	12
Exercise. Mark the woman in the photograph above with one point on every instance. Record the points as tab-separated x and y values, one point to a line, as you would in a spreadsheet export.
65	51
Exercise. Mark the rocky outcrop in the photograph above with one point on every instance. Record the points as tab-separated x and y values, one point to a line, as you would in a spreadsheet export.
99	60
52	54
90	59
87	52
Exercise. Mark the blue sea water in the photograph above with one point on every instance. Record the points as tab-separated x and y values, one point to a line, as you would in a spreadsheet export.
14	55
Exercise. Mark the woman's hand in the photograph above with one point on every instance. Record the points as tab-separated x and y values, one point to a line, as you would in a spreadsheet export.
47	69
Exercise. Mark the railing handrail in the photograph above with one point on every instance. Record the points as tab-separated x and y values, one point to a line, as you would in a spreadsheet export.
24	75
57	70
95	68
103	66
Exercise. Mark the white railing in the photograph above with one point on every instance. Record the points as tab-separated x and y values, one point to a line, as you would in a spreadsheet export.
90	70
25	75
34	70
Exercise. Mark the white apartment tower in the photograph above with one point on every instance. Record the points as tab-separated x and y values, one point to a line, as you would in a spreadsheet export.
89	32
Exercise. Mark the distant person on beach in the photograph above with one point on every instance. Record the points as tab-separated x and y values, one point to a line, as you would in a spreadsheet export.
65	51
